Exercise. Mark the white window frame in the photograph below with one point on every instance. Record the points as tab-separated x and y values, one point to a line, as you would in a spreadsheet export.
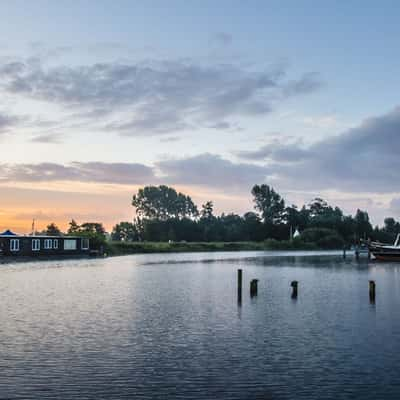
48	244
70	248
35	244
86	241
55	244
14	244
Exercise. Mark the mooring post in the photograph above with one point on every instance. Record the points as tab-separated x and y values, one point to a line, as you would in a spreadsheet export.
239	284
344	253
372	291
294	286
253	287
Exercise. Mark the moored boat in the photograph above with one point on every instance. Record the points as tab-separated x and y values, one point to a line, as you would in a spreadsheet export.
385	252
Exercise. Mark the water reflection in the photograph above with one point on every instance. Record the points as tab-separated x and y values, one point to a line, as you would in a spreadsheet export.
169	326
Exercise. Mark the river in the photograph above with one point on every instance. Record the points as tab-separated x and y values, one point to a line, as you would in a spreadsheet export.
168	326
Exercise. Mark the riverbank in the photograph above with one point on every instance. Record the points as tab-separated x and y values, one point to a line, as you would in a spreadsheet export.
124	248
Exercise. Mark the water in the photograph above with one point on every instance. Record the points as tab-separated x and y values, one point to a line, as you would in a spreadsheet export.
169	327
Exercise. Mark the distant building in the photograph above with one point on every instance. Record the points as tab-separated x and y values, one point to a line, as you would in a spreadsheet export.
13	245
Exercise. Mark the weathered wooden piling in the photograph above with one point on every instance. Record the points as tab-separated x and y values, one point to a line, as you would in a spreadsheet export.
294	286
239	285
253	287
372	291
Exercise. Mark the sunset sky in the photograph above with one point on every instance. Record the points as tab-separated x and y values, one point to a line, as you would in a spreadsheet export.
99	98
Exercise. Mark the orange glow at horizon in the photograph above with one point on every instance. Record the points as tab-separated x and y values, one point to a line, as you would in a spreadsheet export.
108	204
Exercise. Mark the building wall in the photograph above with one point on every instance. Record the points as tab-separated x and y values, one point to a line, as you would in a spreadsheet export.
25	246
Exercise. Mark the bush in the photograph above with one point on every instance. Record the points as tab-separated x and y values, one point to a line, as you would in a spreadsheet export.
324	238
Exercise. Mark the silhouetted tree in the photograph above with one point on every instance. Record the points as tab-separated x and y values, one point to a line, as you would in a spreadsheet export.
52	230
163	202
73	227
269	203
125	231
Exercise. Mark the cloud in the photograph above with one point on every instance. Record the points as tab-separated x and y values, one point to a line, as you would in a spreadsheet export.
308	83
276	151
47	138
8	122
154	97
323	121
222	39
119	173
395	206
212	171
170	139
226	126
206	170
365	158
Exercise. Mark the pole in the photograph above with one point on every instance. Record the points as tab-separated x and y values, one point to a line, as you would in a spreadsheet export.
239	285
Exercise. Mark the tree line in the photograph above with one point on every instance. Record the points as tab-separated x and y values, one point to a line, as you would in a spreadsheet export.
163	214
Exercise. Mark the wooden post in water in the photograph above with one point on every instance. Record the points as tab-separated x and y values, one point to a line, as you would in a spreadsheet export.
372	291
344	253
253	287
294	286
239	284
357	253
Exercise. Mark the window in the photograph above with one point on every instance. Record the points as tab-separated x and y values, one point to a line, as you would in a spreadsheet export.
35	244
85	244
70	244
55	244
48	243
14	244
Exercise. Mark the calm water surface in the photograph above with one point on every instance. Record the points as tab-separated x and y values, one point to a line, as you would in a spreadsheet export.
169	327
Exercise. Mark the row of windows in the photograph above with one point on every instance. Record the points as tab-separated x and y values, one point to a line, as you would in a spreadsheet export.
69	244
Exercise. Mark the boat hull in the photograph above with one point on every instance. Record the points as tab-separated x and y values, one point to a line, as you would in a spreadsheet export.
387	257
385	253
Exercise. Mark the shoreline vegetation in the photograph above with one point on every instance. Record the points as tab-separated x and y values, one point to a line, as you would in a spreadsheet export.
169	221
116	248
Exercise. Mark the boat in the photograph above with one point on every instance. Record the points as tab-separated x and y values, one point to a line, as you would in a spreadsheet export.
385	252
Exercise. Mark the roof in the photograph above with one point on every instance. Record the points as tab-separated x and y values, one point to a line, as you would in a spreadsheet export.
40	236
8	233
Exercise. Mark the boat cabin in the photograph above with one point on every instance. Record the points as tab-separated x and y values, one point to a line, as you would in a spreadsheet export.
22	245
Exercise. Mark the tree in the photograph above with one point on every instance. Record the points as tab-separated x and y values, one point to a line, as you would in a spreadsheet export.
94	231
93	227
73	227
391	226
207	210
253	227
363	227
318	207
52	230
163	202
269	203
125	231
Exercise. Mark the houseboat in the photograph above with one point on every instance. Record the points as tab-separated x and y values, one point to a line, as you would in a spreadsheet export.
13	245
385	252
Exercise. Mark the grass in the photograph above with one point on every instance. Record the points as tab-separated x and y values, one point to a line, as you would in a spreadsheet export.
122	248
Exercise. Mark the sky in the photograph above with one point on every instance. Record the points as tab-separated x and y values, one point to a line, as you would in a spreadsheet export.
100	98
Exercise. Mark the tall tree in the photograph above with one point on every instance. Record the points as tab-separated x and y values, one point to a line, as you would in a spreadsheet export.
269	203
163	202
363	227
